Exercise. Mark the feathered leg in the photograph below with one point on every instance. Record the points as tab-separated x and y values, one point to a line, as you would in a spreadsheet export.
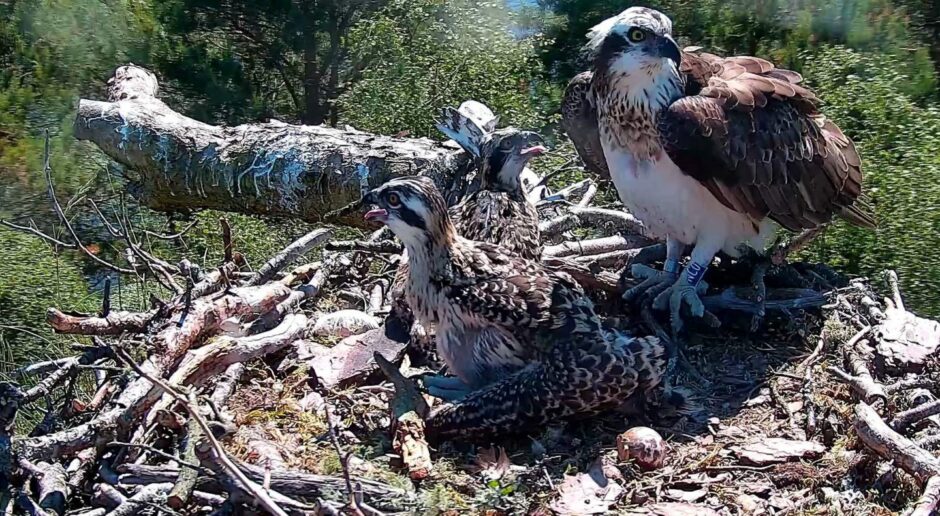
579	380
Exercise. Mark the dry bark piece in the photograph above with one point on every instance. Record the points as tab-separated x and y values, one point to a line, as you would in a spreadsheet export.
351	361
345	323
681	495
644	446
774	450
906	342
408	410
587	493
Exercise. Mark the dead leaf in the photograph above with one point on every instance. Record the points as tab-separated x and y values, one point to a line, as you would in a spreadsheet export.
586	493
773	450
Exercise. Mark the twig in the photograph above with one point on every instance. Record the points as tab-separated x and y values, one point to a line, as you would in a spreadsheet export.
907	418
911	383
929	500
115	323
595	246
47	170
183	489
597	217
165	455
588	196
249	486
228	244
382	246
781	253
290	254
106	298
343	459
174	236
38	233
892	278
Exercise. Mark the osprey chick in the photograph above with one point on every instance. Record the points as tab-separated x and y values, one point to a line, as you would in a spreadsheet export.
706	151
523	340
498	212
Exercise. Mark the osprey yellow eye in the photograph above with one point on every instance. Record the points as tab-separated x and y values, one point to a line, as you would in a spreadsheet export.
636	35
393	200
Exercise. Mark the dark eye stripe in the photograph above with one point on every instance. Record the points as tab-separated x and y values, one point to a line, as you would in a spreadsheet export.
410	217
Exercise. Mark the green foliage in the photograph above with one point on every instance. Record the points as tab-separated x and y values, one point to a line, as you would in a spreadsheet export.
426	54
32	279
781	30
898	140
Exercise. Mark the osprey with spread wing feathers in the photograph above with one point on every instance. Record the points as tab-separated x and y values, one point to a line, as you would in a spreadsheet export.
712	152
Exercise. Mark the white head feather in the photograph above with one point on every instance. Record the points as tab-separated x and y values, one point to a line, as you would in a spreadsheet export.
633	17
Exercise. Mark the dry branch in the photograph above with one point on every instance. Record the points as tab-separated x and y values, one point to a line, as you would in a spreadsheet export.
929	500
577	216
595	246
265	169
290	254
115	323
879	437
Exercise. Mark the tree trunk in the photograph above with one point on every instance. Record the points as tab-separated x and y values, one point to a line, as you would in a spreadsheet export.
180	164
312	115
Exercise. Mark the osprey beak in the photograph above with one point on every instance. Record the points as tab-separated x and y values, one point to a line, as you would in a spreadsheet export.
667	47
378	214
536	145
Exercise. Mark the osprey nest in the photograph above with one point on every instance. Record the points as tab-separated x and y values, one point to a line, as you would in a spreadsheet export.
275	390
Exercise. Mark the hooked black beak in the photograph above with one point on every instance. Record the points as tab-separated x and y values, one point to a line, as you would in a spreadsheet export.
535	145
667	47
378	214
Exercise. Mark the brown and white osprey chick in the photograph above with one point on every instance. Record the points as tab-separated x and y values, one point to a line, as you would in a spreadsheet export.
712	152
498	212
522	339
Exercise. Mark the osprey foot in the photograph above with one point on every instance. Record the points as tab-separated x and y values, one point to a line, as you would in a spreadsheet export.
681	293
654	281
447	388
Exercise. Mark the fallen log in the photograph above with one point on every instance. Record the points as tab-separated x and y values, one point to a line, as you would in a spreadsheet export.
272	168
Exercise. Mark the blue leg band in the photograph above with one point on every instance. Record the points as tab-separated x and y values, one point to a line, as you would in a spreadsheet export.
694	273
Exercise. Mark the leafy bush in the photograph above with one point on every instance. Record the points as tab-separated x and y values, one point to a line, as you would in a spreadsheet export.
899	141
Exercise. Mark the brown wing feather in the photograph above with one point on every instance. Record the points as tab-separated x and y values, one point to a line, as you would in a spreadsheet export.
518	294
579	120
755	138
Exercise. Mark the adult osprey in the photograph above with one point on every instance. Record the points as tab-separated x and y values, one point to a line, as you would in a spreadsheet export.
707	151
